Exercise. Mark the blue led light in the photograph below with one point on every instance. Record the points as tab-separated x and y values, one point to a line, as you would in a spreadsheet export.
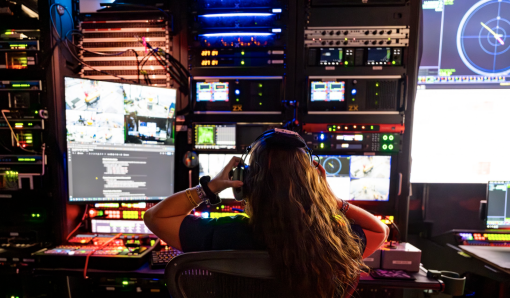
354	91
237	91
322	136
276	30
277	10
237	34
227	15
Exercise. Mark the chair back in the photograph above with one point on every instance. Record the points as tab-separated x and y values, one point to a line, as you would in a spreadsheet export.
224	274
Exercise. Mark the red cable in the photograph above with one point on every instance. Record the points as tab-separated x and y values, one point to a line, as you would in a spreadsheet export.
82	219
92	252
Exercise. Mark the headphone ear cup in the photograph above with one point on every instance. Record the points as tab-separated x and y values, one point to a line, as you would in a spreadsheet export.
239	174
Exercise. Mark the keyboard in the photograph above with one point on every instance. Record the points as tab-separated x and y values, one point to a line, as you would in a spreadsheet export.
161	258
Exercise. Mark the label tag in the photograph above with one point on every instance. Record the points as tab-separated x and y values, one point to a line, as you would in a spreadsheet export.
369	260
377	68
329	68
402	262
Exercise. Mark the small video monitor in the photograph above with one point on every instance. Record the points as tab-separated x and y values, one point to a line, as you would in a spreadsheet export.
212	91
378	56
498	205
331	56
358	177
215	136
211	165
327	91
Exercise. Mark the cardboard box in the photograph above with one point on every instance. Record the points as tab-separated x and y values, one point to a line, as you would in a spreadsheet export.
404	256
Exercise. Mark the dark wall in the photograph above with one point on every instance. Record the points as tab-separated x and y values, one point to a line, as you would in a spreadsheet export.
447	206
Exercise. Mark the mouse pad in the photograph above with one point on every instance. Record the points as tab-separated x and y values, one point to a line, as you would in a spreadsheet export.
390	274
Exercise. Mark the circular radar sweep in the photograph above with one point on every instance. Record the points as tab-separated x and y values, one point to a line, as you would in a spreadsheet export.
483	39
332	165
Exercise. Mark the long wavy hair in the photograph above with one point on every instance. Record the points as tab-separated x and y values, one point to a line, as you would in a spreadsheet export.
294	213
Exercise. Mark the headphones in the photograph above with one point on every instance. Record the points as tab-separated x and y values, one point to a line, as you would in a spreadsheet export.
278	137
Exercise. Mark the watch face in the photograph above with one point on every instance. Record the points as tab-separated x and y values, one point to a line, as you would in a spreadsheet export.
332	165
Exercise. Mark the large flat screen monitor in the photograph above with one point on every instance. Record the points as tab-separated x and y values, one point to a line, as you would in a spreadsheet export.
119	140
459	136
498	205
465	42
358	177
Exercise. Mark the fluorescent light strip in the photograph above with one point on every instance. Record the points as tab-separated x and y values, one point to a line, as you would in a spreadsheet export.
236	15
236	34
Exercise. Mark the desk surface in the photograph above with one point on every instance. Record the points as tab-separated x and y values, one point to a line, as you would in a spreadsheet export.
496	256
421	282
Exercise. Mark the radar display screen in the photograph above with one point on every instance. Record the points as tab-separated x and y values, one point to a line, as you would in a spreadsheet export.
358	178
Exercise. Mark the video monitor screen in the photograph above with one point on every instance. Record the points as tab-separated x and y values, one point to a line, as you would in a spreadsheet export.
358	177
120	141
378	56
211	165
213	91
458	136
215	136
327	91
498	205
331	56
465	42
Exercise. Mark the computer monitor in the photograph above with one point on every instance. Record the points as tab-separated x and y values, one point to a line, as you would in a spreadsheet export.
358	177
212	164
498	205
120	144
465	42
212	91
215	136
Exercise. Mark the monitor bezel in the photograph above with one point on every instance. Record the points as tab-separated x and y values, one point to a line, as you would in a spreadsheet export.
64	137
487	207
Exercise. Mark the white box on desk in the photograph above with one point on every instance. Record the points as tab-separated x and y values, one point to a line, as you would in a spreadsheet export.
404	256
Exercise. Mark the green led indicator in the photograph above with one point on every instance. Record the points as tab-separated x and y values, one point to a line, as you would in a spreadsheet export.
125	282
391	138
385	147
353	99
377	84
260	93
237	99
371	127
260	85
36	112
242	53
346	62
329	128
222	206
322	145
33	215
385	137
346	38
260	103
390	147
242	62
377	94
393	62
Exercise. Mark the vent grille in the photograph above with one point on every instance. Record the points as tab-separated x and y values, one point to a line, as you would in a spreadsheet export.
382	95
115	36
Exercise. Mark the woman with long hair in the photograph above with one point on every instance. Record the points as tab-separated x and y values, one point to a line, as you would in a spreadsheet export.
316	241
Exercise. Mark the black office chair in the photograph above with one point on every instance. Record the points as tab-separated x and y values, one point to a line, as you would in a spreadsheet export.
223	274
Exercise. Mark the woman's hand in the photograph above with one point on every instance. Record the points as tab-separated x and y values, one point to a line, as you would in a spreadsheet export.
222	180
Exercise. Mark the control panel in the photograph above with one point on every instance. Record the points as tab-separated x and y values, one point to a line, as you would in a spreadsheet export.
370	36
19	54
249	95
355	93
483	238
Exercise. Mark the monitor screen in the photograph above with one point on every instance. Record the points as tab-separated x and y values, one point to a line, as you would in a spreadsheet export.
498	205
212	91
119	140
458	136
331	56
465	42
327	91
358	177
378	56
211	165
215	136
